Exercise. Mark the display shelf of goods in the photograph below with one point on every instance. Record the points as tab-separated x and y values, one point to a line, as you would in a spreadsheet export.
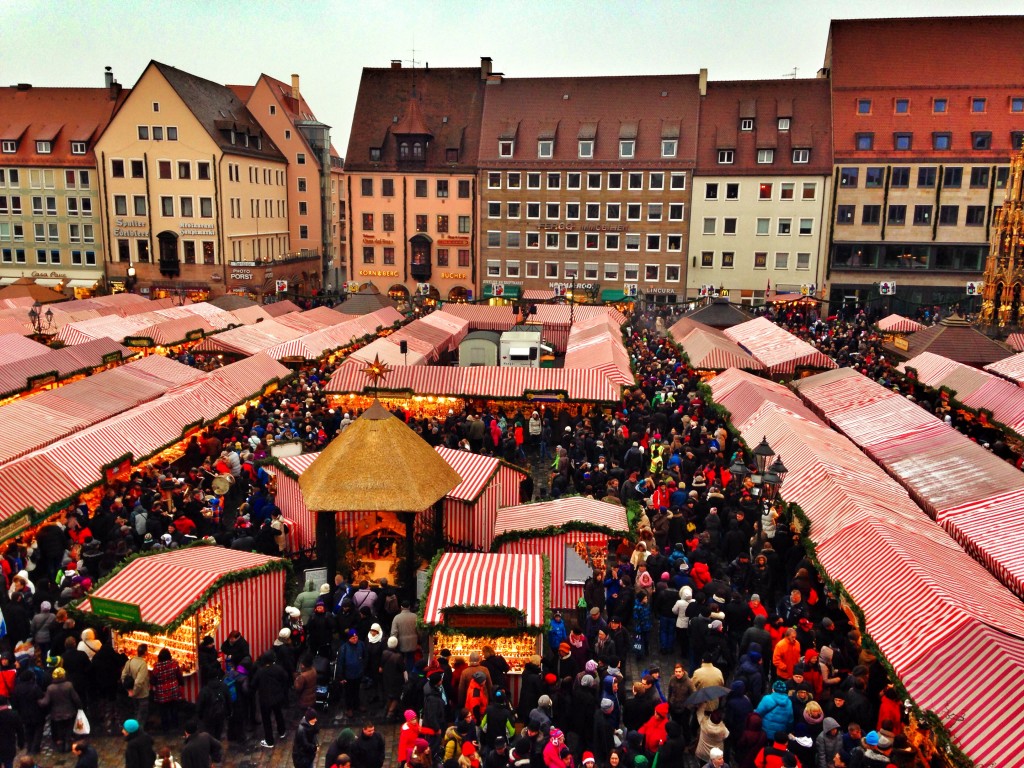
183	643
515	649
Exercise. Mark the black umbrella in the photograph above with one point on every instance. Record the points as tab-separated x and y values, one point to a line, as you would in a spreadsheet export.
705	695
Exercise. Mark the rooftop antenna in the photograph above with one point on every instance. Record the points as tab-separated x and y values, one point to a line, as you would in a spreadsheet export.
792	75
414	63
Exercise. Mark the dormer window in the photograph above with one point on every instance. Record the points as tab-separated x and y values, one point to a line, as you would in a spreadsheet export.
9	147
747	124
44	147
403	150
375	154
627	148
783	123
506	148
586	148
78	147
451	155
417	150
545	148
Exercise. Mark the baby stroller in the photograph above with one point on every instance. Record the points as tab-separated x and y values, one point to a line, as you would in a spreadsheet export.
326	687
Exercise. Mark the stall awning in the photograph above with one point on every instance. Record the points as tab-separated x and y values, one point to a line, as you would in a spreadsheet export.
561	513
502	292
474	580
166	586
615	294
78	283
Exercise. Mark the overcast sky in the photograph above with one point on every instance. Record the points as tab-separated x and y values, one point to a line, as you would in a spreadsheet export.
49	43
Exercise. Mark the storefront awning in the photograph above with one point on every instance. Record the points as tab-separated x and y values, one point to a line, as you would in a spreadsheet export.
615	294
78	283
505	292
47	282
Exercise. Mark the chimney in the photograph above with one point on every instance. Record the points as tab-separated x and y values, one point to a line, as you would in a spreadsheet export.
295	87
702	83
108	77
396	63
485	67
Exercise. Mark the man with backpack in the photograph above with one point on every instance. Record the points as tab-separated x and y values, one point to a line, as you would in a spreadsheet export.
214	705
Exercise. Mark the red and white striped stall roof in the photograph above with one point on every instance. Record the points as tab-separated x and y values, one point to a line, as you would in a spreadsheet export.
716	352
475	470
314	345
1016	341
493	382
482	317
430	341
250	339
388	353
300	321
14	347
455	327
165	585
1011	368
779	350
929	367
597	344
65	362
249	315
474	579
743	394
326	315
563	596
278	308
898	324
169	332
1003	399
538	294
560	512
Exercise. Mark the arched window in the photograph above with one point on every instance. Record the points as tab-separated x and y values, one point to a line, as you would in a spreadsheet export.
417	151
403	150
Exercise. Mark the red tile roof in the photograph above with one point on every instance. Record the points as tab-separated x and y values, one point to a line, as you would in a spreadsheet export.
806	104
450	101
60	115
647	108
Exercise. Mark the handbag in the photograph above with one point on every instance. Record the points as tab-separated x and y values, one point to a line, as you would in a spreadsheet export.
81	727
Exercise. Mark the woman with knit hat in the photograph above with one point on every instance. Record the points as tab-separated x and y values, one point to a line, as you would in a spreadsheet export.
63	703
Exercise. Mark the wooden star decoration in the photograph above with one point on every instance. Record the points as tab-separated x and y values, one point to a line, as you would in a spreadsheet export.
377	370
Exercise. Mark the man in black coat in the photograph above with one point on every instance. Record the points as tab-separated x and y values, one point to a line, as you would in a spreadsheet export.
87	755
201	749
368	750
138	750
305	745
272	684
12	734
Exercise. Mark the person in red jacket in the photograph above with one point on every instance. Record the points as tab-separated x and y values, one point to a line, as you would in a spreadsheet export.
653	730
889	712
407	735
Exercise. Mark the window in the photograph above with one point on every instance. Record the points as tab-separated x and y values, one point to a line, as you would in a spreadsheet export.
300	158
368	254
614	180
120	205
977	104
139	203
611	272
952	176
653	243
900	177
421	222
185	204
551	240
765	156
948	215
533	210
302	184
651	272
494	180
801	156
463	257
514	180
728	259
726	156
810	191
873	177
863	106
463	188
806	226
142	250
532	240
848	177
167	206
513	240
926	178
374	153
421	187
656	180
803	261
464	225
783	124
72	203
572	211
903	142
1017	104
551	269
77	147
506	148
674	243
172	133
636	180
303	208
74	233
632	242
551	210
37	205
707	258
979	177
922	215
871	215
844	214
732	191
494	210
203	171
902	106
442	257
158	133
941	141
613	211
545	148
572	241
16	204
206	207
143	133
367	222
572	180
366	187
138	169
760	260
164	167
897	215
117	169
9	147
513	210
786	190
387	187
654	211
764	190
782	261
586	148
763	226
939	105
593	211
747	124
981	140
676	211
975	216
711	191
670	146
729	225
785	226
677	180
865	141
627	147
710	225
493	239
387	221
40	256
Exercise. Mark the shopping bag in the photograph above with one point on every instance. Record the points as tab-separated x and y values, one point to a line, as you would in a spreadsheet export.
81	727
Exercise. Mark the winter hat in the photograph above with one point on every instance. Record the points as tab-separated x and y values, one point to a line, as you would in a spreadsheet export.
665	576
661	710
131	726
421	744
779	686
550	678
587	681
392	643
467	748
686	593
311	715
884	740
58	673
588	757
590	666
871	740
292	611
564	648
45	606
607	705
410	714
544	701
555	734
715	625
284	634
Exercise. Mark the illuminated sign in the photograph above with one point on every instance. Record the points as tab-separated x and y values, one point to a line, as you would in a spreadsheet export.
378	273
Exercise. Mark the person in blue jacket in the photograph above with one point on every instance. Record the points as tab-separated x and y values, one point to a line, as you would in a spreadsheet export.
776	710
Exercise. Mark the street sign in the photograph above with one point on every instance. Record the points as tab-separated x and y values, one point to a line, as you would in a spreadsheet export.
975	288
887	288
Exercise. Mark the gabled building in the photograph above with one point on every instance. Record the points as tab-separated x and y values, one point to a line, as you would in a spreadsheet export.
314	175
761	188
926	115
585	183
50	225
410	176
190	182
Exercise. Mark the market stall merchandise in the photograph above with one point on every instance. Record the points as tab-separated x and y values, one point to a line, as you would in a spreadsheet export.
474	599
174	598
572	533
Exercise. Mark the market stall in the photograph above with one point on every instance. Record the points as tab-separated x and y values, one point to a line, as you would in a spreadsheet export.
782	353
474	599
175	598
572	533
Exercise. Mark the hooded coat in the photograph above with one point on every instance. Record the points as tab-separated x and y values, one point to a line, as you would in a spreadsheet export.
737	706
776	711
827	746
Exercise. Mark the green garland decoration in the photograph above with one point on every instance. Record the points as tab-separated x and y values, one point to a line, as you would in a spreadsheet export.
633	512
570	526
233	577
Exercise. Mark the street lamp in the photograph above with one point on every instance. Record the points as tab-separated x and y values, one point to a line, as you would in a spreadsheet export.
37	316
763	455
129	284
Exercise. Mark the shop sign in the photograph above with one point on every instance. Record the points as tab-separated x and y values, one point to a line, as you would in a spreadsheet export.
268	273
195	228
631	290
454	276
11	527
546	396
661	290
138	341
240	274
568	226
130	228
371	240
115	609
561	289
241	263
195	335
378	273
43	380
453	241
111	357
901	343
472	620
60	275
